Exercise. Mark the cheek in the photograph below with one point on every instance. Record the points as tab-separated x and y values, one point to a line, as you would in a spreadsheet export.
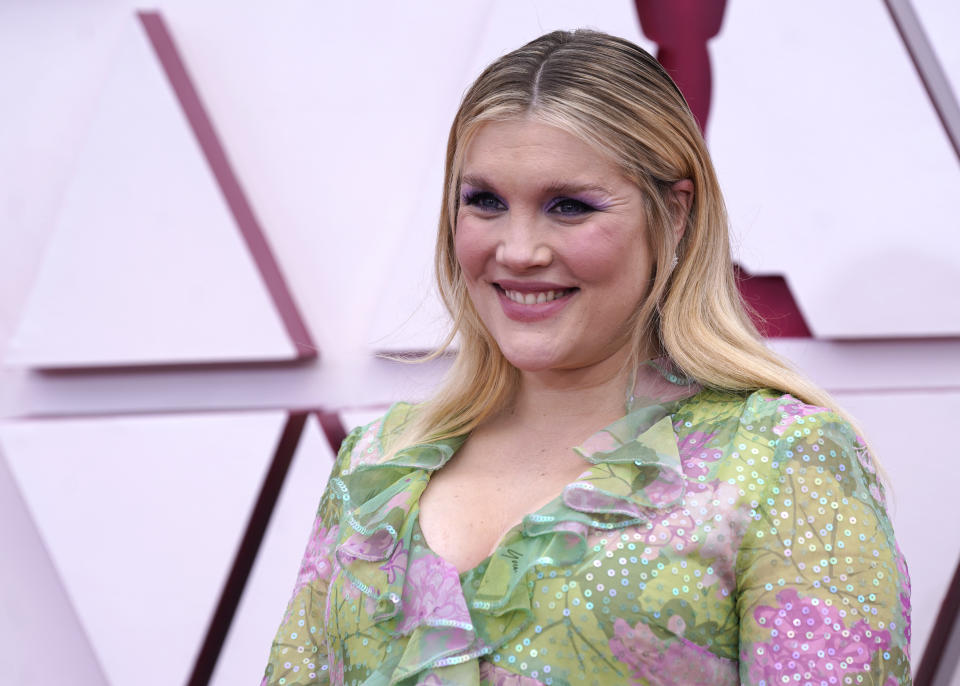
604	256
473	248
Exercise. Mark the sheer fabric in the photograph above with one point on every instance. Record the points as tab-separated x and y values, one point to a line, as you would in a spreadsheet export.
713	538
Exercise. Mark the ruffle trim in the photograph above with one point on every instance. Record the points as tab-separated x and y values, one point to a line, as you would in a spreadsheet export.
634	472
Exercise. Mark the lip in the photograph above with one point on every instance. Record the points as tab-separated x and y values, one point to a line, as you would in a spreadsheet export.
531	286
537	311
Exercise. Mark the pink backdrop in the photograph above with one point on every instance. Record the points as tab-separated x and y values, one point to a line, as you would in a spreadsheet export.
211	220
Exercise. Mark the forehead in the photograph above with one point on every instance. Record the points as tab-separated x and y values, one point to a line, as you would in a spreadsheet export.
528	147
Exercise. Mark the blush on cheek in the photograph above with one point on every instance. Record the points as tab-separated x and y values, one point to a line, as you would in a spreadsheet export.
599	250
472	248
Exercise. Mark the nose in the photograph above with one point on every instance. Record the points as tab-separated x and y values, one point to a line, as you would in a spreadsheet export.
523	246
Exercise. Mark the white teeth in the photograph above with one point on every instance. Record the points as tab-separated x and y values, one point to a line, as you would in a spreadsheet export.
534	298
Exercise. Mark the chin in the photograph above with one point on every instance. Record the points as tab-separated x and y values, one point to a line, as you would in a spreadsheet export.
532	360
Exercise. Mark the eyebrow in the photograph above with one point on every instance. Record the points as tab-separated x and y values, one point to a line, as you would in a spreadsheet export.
474	180
557	187
568	188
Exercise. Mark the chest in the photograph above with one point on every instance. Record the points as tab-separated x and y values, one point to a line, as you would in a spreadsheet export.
468	506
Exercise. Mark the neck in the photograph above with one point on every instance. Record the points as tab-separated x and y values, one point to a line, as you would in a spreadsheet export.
592	396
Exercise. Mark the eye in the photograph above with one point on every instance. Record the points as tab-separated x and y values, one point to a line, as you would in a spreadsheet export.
570	207
485	201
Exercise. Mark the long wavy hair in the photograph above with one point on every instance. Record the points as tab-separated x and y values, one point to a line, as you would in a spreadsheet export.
615	96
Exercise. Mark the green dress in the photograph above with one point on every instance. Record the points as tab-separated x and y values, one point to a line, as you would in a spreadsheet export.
713	538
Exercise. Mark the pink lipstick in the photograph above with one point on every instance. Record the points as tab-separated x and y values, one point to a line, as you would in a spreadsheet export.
530	301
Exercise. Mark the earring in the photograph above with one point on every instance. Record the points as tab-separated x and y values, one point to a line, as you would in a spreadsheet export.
674	262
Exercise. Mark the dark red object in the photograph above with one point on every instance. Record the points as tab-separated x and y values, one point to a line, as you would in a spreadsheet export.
681	29
333	428
773	308
247	552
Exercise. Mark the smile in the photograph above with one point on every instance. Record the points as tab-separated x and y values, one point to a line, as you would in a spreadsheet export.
536	298
531	302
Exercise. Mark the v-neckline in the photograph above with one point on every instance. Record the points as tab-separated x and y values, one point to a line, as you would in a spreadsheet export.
662	386
418	530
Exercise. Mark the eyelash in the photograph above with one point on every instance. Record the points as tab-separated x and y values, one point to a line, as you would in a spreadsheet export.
580	207
481	200
475	198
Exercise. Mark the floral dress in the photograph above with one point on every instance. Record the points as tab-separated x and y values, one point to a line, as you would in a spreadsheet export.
713	538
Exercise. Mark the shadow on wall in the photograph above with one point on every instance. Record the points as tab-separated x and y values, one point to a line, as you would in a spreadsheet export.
891	275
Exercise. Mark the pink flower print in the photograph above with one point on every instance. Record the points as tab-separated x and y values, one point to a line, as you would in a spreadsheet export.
694	457
636	647
367	448
396	565
402	499
877	494
907	628
671	529
381	542
685	662
659	663
375	546
809	638
864	458
791	409
904	596
601	442
432	592
493	675
723	525
666	490
676	625
316	563
707	523
337	669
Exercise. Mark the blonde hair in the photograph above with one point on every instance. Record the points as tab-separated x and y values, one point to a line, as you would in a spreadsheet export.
615	96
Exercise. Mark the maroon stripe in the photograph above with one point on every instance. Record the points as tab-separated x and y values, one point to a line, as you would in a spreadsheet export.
928	68
333	429
160	367
247	552
216	156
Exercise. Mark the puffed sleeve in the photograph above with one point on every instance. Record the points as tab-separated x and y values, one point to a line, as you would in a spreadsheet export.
823	590
298	656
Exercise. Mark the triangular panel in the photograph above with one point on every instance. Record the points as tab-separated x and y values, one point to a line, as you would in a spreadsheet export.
142	517
37	612
146	264
836	169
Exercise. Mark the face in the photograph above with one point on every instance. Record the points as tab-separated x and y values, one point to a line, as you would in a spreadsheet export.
553	244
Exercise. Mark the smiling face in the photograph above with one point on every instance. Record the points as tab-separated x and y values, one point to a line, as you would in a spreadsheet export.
553	244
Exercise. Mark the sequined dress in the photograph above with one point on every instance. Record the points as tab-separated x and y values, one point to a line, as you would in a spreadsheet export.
713	538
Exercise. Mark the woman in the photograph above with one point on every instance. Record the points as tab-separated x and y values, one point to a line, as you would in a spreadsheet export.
704	529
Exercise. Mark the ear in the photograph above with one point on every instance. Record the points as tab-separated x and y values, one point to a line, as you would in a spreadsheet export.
681	199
